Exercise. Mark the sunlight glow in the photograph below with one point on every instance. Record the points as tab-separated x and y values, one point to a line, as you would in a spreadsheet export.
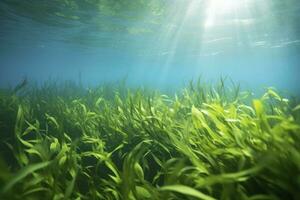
218	8
224	6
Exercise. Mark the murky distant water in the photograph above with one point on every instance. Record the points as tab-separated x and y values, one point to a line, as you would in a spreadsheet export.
161	43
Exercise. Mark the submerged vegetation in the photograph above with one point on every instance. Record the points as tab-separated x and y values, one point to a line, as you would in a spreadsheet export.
66	142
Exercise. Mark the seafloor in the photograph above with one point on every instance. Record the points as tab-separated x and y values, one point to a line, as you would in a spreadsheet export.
110	142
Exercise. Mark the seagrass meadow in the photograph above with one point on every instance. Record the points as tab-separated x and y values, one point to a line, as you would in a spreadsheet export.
102	100
115	143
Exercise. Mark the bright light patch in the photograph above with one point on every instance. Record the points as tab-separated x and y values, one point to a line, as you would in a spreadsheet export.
218	8
226	6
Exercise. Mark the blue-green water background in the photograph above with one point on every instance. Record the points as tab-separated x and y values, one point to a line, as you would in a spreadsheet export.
157	43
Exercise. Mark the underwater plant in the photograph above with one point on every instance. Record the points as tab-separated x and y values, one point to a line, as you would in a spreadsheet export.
113	143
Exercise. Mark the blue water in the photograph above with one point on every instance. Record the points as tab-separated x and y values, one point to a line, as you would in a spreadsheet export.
162	44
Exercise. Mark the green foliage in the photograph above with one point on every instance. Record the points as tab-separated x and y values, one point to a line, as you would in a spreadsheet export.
111	142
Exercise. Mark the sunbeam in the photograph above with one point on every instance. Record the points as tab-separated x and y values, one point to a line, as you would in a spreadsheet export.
219	10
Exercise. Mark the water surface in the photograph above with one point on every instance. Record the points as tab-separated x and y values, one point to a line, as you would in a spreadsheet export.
161	43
